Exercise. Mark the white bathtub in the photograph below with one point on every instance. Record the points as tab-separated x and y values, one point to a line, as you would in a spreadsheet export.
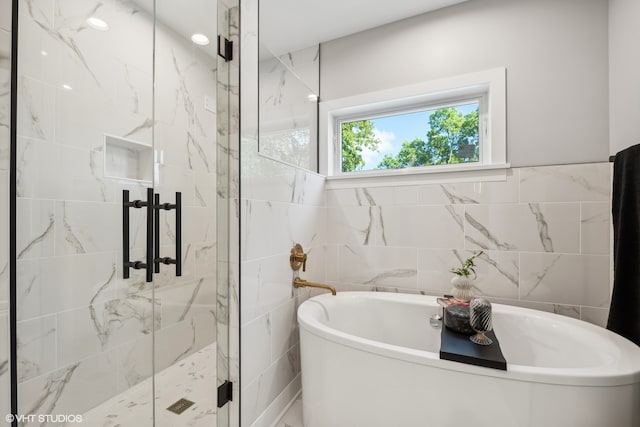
372	359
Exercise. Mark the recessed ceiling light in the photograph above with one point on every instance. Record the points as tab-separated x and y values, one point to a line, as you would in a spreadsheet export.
66	87
97	23
200	39
44	53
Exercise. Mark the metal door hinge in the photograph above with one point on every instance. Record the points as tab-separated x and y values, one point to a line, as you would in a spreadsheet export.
225	393
225	48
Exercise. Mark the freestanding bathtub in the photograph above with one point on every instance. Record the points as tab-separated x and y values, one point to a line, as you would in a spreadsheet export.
371	359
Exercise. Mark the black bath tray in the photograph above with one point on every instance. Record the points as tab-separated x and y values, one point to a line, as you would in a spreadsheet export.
458	348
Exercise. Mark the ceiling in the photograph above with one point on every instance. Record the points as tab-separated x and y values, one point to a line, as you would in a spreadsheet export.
188	17
290	25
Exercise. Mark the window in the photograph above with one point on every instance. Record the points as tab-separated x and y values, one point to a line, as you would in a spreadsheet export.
435	136
448	125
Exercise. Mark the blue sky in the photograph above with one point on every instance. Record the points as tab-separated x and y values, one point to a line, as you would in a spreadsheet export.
393	130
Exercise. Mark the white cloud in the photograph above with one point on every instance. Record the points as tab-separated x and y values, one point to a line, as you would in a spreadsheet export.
373	157
387	138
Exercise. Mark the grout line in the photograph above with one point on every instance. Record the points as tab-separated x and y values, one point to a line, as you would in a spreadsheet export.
56	342
580	217
519	276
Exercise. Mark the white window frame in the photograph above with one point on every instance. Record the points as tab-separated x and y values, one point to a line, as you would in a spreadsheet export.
488	86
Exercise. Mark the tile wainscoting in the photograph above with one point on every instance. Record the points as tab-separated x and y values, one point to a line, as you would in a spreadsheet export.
544	233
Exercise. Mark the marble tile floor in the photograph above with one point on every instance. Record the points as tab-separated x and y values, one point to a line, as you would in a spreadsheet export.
293	416
192	378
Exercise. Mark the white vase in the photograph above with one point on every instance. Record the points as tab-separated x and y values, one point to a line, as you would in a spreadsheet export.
462	288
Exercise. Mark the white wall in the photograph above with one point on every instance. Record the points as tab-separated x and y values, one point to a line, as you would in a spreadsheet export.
624	69
555	53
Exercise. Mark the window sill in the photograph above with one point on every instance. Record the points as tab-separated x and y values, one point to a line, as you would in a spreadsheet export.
445	174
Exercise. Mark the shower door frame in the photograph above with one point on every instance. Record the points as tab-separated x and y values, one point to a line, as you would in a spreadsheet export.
229	91
13	199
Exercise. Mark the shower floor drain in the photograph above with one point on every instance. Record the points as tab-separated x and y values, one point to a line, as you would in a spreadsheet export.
180	406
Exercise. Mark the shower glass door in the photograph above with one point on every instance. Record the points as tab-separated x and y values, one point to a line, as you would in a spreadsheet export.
186	78
116	98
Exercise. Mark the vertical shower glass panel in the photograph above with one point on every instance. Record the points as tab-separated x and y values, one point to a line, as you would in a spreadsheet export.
227	233
288	98
185	144
288	92
84	133
114	97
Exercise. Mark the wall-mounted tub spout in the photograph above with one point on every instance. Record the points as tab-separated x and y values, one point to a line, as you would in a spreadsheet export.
301	283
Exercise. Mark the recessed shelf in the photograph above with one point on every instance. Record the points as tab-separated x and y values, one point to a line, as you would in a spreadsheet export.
127	159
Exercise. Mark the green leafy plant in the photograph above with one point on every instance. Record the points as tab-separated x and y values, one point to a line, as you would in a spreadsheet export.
468	266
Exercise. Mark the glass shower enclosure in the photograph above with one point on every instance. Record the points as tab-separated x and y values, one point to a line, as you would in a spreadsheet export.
122	238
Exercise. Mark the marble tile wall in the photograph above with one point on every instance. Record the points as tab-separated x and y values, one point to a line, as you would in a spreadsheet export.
5	90
544	232
79	322
280	205
269	334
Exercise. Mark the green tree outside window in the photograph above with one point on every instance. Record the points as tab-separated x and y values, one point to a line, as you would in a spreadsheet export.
452	137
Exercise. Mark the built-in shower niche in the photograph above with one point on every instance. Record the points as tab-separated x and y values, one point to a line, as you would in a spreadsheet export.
127	159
